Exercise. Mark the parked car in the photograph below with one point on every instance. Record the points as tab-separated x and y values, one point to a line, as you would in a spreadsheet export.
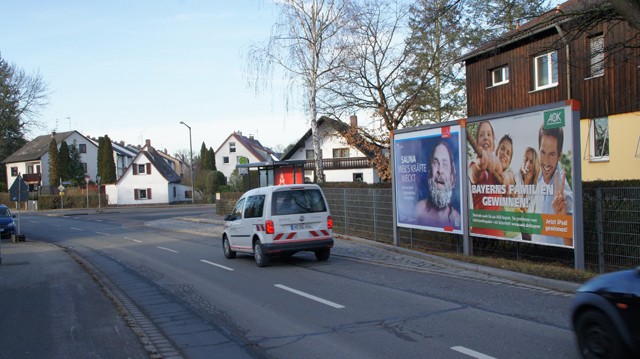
606	316
279	220
7	224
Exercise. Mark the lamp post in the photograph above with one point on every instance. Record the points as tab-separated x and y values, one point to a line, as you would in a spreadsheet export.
190	161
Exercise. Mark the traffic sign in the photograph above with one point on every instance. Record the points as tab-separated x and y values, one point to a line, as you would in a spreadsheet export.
61	188
19	191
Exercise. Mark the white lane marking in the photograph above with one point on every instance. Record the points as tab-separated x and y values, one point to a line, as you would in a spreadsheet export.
216	265
471	353
167	249
133	240
76	229
309	296
106	234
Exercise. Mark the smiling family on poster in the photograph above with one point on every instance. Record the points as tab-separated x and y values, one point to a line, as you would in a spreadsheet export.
519	180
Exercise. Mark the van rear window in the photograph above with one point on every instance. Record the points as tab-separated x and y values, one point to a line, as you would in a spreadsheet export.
297	202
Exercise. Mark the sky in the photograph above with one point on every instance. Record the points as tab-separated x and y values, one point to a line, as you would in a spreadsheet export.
134	70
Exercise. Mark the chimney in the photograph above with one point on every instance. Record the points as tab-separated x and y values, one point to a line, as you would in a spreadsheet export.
251	137
53	133
354	120
147	143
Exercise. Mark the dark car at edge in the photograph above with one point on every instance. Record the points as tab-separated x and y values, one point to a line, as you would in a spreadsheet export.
606	315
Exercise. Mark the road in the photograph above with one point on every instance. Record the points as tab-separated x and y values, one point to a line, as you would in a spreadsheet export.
362	303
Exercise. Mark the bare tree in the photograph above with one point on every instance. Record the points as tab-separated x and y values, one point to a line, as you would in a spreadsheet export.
307	44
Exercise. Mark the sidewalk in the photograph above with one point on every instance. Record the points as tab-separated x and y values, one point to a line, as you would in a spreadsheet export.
52	308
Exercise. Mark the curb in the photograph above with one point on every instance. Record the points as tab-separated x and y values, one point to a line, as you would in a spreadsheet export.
553	284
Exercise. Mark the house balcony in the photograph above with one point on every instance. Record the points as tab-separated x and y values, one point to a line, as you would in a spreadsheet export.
340	163
31	177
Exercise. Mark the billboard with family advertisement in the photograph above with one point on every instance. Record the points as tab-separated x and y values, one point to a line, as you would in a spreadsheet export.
427	179
521	169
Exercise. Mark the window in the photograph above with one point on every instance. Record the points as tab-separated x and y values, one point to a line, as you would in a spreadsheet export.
82	148
141	168
84	167
142	193
232	147
357	177
297	202
340	152
254	207
237	210
309	154
500	75
225	159
599	138
545	70
14	171
596	55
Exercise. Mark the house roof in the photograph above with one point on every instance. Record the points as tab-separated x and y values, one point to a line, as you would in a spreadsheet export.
261	153
38	147
339	126
548	21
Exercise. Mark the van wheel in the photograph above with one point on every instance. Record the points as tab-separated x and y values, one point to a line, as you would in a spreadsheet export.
226	247
262	260
323	254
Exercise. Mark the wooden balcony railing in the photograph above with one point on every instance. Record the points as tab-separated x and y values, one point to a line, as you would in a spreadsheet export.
31	177
340	163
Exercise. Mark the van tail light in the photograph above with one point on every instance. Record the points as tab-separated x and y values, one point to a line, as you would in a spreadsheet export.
269	228
329	222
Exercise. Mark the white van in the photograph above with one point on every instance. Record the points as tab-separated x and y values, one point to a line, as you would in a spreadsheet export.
279	220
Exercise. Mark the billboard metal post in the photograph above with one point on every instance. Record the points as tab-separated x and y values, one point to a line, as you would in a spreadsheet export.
467	247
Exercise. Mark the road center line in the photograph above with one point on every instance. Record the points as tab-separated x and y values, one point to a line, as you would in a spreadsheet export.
76	229
471	353
133	240
106	234
309	296
216	265
167	249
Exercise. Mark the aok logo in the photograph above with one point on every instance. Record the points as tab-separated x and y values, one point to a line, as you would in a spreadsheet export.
554	119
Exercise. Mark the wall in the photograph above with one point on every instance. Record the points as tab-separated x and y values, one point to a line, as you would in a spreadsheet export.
624	134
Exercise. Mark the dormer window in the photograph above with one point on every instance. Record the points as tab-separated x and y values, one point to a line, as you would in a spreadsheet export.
500	75
232	147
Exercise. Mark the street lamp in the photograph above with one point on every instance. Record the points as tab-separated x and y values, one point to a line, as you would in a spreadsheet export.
190	161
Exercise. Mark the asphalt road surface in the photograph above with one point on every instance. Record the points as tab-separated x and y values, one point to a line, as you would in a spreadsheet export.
363	302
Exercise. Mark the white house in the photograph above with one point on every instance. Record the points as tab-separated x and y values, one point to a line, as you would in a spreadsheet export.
149	179
32	159
237	149
341	162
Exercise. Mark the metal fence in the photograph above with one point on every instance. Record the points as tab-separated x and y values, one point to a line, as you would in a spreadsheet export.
611	228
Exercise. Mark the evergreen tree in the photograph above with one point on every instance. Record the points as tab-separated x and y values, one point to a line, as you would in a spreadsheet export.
76	166
204	164
106	162
212	159
110	175
63	161
10	128
54	176
101	162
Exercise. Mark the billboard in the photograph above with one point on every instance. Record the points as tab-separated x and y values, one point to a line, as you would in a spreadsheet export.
428	185
288	175
520	171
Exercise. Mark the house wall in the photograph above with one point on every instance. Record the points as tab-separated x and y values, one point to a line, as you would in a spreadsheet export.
90	158
330	140
161	190
624	154
614	94
241	151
